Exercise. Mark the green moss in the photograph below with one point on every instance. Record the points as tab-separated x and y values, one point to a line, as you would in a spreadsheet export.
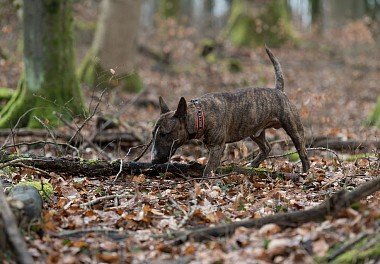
169	8
6	93
92	73
362	252
359	156
250	171
294	157
268	23
374	118
91	161
358	255
132	83
234	66
46	192
82	25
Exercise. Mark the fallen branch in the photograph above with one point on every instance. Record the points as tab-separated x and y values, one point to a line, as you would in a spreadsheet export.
102	168
13	238
331	206
103	198
99	168
112	233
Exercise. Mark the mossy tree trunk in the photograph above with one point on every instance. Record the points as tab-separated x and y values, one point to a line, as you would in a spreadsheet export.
374	119
48	83
111	60
254	23
169	8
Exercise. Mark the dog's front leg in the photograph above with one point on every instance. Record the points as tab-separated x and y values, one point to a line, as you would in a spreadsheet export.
216	153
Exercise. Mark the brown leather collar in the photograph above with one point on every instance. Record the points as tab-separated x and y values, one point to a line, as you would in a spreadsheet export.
199	119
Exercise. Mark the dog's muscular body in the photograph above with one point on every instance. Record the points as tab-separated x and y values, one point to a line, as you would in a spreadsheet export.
230	117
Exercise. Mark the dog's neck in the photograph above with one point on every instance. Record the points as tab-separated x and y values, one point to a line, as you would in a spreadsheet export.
195	121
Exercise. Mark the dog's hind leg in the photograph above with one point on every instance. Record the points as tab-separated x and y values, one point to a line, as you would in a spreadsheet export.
265	148
293	127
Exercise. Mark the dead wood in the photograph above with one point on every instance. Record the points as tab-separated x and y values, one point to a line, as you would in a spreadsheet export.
103	168
331	206
100	168
10	237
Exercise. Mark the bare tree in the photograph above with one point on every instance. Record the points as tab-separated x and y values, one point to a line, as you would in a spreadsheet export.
111	60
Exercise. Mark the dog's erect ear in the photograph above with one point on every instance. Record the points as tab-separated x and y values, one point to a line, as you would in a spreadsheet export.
181	111
164	107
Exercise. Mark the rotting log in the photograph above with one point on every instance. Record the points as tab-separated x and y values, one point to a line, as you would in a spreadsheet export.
25	205
99	168
331	206
102	168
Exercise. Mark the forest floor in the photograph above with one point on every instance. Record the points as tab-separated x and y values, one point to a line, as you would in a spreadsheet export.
334	81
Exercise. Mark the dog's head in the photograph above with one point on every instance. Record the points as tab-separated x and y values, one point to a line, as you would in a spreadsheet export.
169	132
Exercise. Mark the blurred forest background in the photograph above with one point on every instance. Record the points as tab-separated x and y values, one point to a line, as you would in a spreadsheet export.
329	51
88	73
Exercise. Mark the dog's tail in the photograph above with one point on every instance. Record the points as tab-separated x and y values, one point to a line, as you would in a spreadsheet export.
277	70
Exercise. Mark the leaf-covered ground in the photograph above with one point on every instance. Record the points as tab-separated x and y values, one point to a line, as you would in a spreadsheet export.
332	80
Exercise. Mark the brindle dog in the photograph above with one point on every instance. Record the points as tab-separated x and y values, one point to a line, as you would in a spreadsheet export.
220	118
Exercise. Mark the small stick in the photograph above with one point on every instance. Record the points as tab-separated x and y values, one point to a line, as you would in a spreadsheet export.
12	162
143	152
80	232
103	198
40	142
88	118
120	170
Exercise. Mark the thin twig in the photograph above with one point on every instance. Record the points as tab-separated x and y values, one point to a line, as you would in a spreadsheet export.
103	198
188	215
92	144
129	150
120	170
89	117
48	130
12	162
143	152
31	168
40	142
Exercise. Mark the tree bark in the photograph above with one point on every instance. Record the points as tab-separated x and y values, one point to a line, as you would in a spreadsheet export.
49	82
114	47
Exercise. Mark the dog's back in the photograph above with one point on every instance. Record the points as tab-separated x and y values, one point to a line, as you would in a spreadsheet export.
246	112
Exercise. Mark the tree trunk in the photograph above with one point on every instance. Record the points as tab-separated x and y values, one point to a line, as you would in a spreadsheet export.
169	8
265	22
49	82
374	119
111	60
